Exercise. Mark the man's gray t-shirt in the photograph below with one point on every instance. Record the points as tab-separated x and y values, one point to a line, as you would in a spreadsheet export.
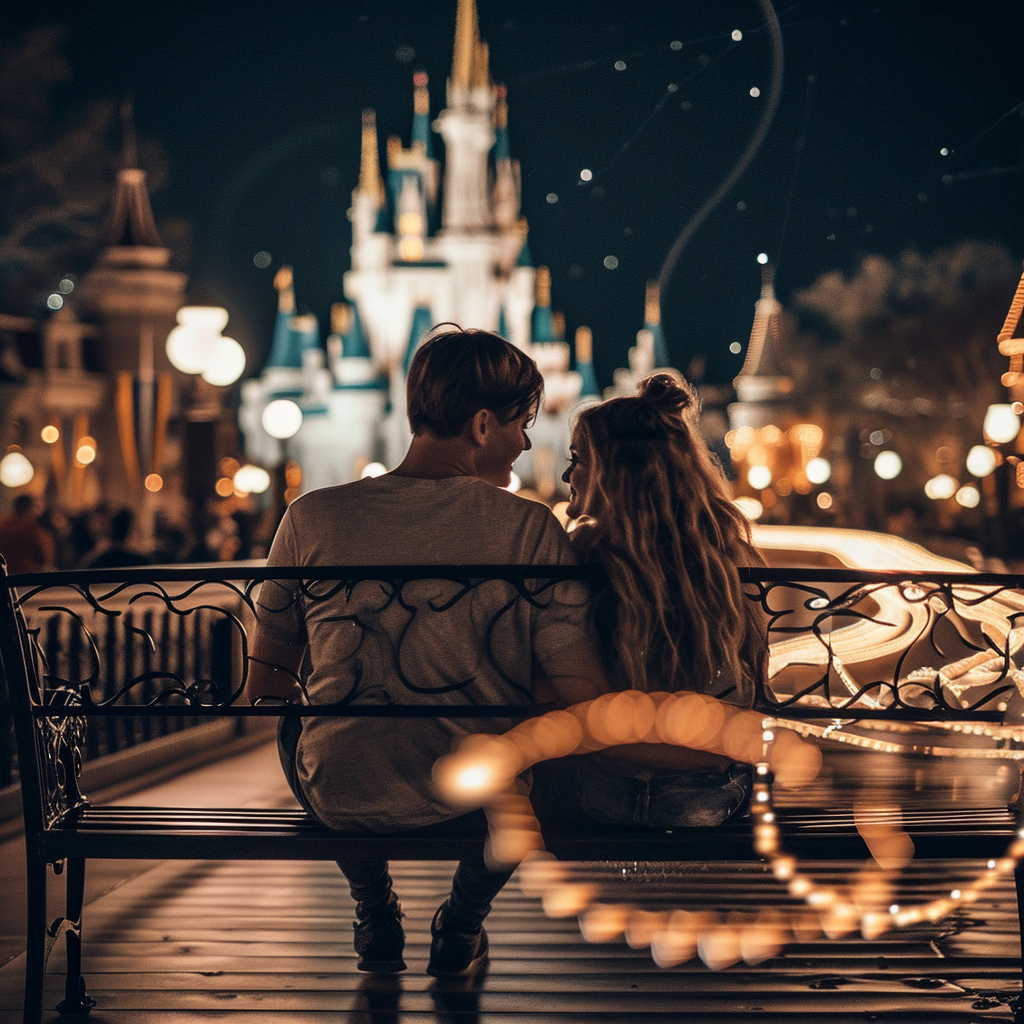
375	645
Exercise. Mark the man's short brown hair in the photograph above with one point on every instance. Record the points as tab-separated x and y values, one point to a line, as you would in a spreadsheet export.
455	374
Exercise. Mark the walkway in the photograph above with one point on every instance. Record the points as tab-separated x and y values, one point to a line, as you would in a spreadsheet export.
258	943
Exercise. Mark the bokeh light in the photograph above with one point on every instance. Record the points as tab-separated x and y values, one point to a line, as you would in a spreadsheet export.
250	479
50	434
759	477
888	465
940	487
981	460
373	469
282	418
1001	424
15	470
154	482
968	496
818	470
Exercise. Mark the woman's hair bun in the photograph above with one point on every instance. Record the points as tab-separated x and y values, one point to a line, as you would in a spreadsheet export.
671	394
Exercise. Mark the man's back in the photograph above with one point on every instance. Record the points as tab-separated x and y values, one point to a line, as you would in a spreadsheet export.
375	646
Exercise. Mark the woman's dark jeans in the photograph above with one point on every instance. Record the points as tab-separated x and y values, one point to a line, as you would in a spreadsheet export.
583	791
474	884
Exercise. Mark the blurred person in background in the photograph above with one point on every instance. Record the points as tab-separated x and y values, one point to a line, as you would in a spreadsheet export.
27	546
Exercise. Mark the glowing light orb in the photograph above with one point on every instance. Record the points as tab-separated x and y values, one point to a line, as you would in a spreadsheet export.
86	451
225	364
55	301
1002	424
981	460
191	343
941	487
824	500
611	262
735	348
968	496
154	482
888	465
586	174
282	418
762	258
251	479
759	477
514	483
737	35
50	434
373	469
818	470
750	507
755	92
15	470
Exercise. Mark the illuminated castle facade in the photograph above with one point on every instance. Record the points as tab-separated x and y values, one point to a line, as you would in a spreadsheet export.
429	245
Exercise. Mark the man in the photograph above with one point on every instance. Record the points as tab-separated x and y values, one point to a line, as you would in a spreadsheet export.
27	546
471	398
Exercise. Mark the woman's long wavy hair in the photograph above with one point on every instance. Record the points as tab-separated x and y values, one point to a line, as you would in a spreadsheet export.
670	541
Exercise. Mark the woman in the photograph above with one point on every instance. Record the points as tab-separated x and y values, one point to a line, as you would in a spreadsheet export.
656	522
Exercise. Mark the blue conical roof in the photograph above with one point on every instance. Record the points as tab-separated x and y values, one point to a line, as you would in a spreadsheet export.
284	347
422	321
589	374
421	131
354	344
306	333
661	357
525	257
543	325
502	324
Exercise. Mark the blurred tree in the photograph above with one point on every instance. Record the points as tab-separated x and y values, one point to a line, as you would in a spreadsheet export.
57	170
903	355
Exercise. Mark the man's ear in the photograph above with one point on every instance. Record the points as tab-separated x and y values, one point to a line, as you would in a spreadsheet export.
478	426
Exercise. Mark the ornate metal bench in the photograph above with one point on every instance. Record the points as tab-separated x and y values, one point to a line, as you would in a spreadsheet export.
851	652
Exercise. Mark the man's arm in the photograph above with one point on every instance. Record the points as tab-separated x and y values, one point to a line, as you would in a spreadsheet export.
273	669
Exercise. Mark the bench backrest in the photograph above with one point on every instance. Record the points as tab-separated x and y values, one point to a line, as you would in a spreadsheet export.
85	654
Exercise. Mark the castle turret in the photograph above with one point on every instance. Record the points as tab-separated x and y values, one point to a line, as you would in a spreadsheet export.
585	363
284	348
543	324
505	196
368	199
652	323
762	386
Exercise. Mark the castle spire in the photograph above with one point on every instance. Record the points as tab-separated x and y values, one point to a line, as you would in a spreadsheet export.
370	181
467	46
762	359
131	223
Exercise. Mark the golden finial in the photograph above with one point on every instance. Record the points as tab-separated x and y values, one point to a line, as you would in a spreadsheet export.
284	283
341	317
467	37
543	286
584	345
394	151
481	66
652	304
558	324
370	181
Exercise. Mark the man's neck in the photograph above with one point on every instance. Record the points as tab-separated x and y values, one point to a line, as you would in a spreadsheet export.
433	458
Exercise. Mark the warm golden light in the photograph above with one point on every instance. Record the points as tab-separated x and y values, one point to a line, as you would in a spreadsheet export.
250	479
86	451
15	470
153	482
981	460
968	496
282	418
888	465
941	487
1001	424
759	477
818	470
50	434
373	469
224	487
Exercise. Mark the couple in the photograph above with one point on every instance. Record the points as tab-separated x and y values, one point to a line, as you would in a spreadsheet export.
668	614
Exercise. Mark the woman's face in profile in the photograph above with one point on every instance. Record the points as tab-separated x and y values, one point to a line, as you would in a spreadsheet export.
577	476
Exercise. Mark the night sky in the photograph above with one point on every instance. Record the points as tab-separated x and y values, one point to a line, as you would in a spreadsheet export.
258	109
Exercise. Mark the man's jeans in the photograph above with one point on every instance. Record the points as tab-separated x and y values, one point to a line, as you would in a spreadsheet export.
474	884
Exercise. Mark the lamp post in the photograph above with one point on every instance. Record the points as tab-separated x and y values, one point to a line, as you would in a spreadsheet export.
197	348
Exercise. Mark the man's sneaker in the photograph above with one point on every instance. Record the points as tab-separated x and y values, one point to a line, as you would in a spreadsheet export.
455	954
379	939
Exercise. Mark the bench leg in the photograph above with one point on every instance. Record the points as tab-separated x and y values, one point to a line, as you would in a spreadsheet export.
1018	878
76	999
35	939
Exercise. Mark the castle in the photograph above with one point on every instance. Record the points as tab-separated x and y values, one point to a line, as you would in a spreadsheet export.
429	246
